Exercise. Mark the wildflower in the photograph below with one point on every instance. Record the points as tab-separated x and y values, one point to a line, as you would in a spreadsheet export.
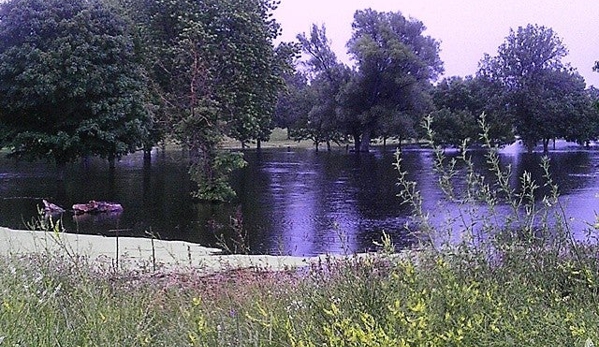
196	302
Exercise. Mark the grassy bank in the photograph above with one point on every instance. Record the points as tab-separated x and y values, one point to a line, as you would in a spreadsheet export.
278	139
523	298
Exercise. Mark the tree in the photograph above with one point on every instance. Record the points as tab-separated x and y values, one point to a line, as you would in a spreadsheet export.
317	116
70	85
460	102
570	109
217	73
327	77
395	65
529	68
290	103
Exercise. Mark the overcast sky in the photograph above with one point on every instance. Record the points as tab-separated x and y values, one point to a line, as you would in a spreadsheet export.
466	28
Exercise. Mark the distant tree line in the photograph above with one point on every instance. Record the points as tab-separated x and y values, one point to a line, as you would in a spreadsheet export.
106	78
525	90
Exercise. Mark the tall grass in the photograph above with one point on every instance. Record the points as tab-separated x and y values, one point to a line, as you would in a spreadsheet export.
430	299
519	280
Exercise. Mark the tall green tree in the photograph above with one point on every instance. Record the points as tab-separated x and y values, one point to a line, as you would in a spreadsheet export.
216	71
536	83
395	64
569	109
318	118
327	76
70	84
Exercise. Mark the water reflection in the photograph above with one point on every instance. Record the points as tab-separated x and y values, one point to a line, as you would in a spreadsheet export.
305	202
296	202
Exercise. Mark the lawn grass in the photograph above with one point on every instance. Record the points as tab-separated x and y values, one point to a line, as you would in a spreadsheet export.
278	139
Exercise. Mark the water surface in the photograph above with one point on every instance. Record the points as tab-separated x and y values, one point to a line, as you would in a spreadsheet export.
297	202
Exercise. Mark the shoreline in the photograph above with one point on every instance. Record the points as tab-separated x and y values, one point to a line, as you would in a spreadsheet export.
141	253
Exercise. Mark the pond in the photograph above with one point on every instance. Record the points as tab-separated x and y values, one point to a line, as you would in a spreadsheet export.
290	201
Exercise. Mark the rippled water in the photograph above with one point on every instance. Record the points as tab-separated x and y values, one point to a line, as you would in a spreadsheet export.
297	202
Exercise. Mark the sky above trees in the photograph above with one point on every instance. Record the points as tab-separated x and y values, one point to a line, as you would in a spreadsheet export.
466	28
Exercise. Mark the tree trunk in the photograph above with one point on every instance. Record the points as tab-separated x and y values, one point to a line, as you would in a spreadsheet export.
147	154
365	145
545	146
328	146
530	145
258	144
357	143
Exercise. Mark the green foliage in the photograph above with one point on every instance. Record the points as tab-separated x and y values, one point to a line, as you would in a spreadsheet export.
459	102
220	52
70	306
427	299
316	114
395	64
385	95
211	173
44	222
316	105
295	101
215	72
452	128
478	206
70	85
546	98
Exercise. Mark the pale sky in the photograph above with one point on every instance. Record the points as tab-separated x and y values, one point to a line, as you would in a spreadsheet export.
466	28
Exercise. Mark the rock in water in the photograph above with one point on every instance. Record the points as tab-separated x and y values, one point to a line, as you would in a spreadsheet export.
52	208
97	207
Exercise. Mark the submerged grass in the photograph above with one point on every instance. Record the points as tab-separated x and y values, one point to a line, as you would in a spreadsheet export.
515	281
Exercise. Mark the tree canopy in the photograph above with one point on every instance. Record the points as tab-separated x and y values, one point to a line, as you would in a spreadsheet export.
395	64
544	95
70	85
460	102
216	73
326	76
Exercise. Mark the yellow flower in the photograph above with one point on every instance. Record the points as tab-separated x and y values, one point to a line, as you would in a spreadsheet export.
334	311
196	302
419	307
